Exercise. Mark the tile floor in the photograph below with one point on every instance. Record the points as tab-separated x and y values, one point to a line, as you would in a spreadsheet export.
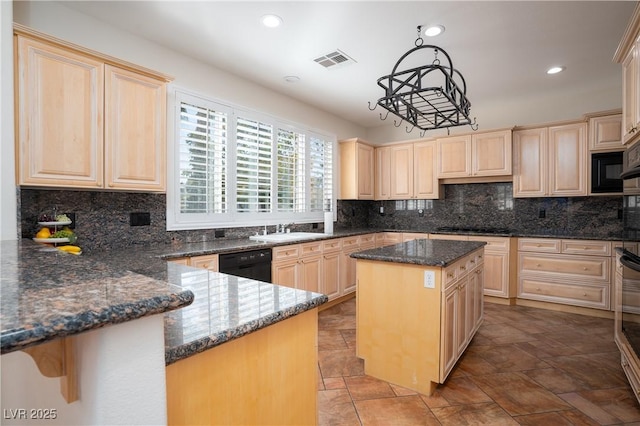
524	366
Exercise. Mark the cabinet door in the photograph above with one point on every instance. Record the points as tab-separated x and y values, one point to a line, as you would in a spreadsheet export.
491	154
454	157
605	133
285	273
365	172
383	173
462	322
401	157
630	91
449	349
496	274
311	273
530	163
348	272
331	275
476	305
425	176
568	160
59	113
135	108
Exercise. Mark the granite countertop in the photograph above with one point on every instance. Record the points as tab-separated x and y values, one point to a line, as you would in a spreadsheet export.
422	252
225	306
49	294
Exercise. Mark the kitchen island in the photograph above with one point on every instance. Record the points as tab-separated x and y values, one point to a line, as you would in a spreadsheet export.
132	365
419	304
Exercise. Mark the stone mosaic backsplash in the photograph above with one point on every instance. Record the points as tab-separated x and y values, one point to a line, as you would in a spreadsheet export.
102	218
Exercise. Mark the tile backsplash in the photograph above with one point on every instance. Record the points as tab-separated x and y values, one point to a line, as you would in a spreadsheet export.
103	218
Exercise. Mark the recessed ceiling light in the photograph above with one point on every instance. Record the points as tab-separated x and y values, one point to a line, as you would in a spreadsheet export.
555	70
271	21
434	30
291	78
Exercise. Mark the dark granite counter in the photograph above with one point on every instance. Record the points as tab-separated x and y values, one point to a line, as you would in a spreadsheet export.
49	294
421	252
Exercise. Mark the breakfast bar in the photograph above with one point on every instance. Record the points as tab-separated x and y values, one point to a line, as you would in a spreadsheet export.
419	305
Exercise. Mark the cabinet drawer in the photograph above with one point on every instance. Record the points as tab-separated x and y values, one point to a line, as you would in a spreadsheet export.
565	267
207	261
285	252
630	372
310	249
592	296
547	245
493	243
589	248
349	242
368	240
331	245
475	259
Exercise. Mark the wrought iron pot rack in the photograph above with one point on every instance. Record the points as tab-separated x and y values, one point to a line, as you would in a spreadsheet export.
412	96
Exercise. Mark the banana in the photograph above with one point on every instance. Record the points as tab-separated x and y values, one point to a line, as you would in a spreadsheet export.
71	249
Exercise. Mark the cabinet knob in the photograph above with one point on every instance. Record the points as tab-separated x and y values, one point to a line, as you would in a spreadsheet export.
585	269
450	275
538	265
464	268
472	261
205	266
584	294
538	289
538	245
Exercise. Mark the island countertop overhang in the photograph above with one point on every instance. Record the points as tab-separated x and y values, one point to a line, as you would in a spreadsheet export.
421	252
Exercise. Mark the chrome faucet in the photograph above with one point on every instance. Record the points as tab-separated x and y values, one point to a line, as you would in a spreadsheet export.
282	228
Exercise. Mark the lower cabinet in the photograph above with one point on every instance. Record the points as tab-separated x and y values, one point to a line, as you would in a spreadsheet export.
207	261
570	272
462	311
321	266
413	335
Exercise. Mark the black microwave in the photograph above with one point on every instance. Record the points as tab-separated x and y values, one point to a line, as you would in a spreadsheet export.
606	168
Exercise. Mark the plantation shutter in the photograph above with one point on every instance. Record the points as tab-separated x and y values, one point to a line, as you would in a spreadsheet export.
253	166
321	176
291	171
202	160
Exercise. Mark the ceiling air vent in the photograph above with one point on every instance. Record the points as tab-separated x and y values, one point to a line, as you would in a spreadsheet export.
335	59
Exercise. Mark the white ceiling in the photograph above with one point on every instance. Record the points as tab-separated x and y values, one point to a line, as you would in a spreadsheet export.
501	48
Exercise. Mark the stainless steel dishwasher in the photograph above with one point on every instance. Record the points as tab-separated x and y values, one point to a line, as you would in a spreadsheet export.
255	264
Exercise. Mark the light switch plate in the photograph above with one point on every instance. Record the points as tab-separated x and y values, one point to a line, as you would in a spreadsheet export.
429	279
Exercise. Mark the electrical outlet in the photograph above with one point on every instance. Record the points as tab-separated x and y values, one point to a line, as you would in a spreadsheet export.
429	279
140	219
218	233
421	213
542	213
72	216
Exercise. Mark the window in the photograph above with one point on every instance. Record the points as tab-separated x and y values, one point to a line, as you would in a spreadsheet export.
233	167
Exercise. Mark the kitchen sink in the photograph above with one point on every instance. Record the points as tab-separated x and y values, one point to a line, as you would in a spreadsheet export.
291	236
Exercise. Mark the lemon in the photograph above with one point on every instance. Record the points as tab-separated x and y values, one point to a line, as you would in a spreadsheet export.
43	233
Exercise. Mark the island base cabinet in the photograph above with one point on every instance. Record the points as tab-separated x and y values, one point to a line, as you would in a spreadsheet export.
267	377
398	324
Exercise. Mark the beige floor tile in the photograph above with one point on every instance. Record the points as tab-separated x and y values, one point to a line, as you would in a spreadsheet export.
367	387
517	394
475	414
400	411
607	406
335	408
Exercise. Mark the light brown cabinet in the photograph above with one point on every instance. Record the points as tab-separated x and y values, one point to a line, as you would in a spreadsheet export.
477	155
298	266
388	238
628	55
407	171
571	272
431	327
356	170
205	261
86	122
550	162
605	133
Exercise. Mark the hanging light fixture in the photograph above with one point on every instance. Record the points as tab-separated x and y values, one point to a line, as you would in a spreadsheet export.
428	97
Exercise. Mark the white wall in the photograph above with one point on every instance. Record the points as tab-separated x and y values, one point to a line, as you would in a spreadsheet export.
8	207
121	375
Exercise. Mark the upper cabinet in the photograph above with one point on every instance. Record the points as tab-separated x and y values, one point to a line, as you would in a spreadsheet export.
407	171
605	133
356	170
550	161
86	121
628	54
476	155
